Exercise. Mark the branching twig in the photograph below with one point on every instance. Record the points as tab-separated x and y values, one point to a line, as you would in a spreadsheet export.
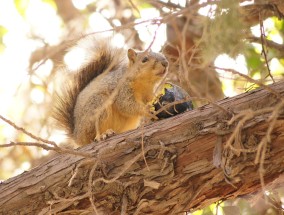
46	147
134	7
262	36
129	164
53	146
253	81
262	146
268	43
90	188
27	133
191	98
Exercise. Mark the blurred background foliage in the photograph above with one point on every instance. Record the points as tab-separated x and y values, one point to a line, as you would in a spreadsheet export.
196	35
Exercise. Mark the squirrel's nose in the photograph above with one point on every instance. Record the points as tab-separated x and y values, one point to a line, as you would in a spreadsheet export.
165	63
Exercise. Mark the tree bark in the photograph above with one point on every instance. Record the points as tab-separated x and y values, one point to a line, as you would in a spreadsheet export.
192	160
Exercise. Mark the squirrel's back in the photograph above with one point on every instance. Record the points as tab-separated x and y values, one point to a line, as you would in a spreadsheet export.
100	57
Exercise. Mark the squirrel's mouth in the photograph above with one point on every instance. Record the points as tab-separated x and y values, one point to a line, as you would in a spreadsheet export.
162	72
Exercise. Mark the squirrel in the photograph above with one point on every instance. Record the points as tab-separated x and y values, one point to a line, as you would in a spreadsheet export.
109	93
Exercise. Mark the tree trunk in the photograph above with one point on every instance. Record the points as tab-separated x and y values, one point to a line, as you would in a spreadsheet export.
174	165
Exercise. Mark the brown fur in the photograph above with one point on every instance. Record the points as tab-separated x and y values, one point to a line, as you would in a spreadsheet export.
108	92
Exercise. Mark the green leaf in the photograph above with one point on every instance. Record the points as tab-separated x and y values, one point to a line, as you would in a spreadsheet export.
21	6
279	24
143	4
50	2
3	31
253	60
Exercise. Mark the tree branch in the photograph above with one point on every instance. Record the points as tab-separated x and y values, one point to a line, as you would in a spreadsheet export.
179	152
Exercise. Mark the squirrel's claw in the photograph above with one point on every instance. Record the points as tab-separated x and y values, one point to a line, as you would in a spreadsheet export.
105	135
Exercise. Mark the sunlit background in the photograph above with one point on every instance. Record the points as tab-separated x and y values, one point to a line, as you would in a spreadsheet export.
27	83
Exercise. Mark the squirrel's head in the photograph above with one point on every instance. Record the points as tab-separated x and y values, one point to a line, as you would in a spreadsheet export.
149	65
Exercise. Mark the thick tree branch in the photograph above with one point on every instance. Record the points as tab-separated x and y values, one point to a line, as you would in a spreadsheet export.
179	152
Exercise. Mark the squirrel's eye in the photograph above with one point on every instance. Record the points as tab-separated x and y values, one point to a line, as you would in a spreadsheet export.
145	59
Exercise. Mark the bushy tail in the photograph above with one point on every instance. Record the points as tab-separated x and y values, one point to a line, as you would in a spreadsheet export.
100	57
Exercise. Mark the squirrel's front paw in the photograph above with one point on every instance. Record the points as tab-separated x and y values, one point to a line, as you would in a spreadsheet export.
105	135
149	112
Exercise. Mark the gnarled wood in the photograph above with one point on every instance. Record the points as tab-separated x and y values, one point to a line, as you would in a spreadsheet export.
179	175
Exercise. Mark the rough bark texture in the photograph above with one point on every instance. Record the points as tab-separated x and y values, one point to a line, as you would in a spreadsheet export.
179	175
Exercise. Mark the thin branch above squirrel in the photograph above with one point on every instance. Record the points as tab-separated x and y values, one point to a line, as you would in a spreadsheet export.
110	92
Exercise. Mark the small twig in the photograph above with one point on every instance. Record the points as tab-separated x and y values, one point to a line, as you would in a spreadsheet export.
245	116
82	163
53	146
154	37
85	195
91	198
142	146
263	41
255	113
262	147
268	43
134	7
88	194
278	95
237	132
124	205
128	165
28	133
259	158
46	147
190	98
164	19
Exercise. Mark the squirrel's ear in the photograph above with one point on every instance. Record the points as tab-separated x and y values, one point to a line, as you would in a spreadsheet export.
132	55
